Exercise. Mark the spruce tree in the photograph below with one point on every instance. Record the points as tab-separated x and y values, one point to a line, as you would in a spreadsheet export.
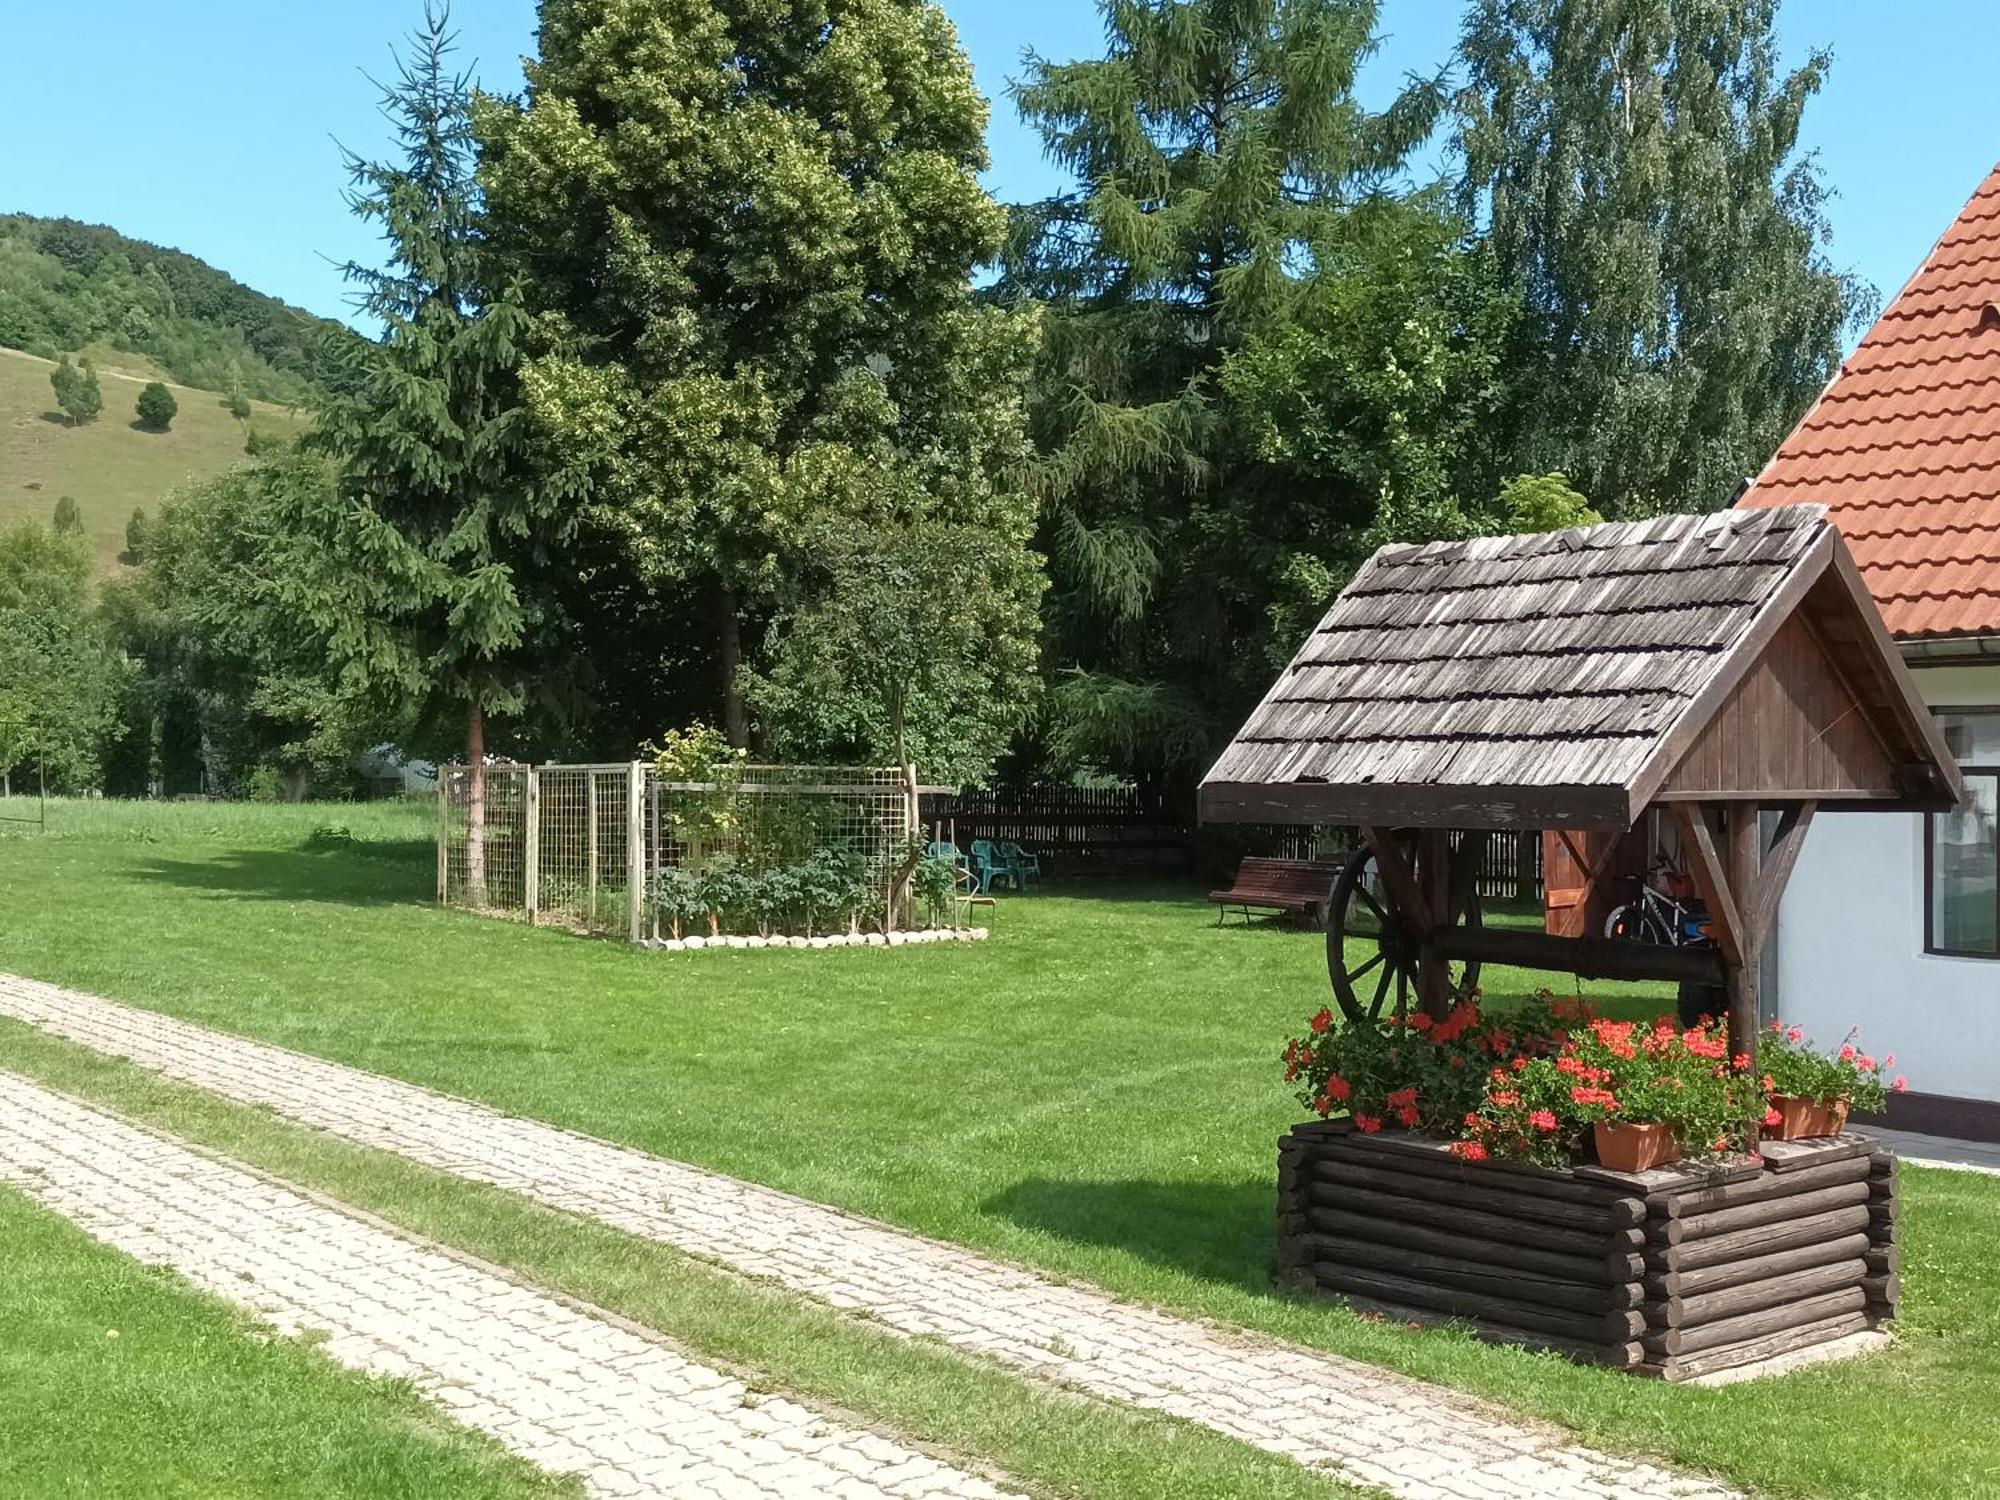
1207	279
450	520
748	229
1639	167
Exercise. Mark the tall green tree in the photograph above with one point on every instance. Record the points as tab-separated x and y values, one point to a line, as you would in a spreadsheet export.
748	229
451	518
60	682
67	517
1638	166
1218	432
224	618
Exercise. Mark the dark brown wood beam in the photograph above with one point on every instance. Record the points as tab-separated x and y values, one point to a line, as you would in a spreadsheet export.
1412	904
1793	825
1745	844
1705	864
1585	957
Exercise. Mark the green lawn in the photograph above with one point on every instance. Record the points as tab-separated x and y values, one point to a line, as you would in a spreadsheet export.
1095	1092
119	1381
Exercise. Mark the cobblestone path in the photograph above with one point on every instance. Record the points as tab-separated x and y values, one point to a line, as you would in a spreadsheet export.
1415	1440
565	1389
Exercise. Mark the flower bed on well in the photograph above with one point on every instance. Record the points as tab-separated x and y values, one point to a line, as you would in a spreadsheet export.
1548	1082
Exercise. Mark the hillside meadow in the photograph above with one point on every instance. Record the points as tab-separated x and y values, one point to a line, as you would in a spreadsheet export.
110	467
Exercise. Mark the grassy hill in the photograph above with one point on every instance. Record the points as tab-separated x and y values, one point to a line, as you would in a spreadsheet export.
109	466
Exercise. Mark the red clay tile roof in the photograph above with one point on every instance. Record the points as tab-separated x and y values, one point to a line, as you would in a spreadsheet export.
1903	447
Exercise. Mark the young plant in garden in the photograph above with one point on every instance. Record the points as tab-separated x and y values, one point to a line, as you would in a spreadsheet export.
935	882
677	898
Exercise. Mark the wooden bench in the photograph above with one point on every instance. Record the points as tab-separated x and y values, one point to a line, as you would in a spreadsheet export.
1297	887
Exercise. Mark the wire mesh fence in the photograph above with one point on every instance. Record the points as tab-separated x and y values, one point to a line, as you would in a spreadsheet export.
774	851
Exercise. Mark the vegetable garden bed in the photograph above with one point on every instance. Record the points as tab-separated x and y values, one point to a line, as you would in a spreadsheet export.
1676	1273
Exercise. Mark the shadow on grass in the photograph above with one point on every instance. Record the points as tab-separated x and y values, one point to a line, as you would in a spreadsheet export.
1218	1231
399	873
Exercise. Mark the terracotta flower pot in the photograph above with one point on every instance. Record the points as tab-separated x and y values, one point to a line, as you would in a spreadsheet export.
1797	1117
1636	1148
1801	1118
1829	1117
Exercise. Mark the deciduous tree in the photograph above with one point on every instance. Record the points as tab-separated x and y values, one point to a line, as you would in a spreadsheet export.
748	229
1639	166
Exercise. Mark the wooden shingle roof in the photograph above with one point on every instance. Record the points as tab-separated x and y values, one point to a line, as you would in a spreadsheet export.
1553	680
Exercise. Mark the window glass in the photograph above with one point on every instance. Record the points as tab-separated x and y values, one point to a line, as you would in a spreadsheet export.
1965	871
1973	737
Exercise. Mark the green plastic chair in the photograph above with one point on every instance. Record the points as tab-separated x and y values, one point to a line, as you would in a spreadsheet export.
988	865
1025	866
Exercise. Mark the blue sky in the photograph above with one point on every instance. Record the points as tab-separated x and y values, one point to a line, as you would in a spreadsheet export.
212	127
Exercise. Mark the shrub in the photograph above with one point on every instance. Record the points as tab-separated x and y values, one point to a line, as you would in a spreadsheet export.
157	407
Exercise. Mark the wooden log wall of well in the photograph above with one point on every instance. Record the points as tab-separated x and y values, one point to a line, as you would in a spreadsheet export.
1674	1273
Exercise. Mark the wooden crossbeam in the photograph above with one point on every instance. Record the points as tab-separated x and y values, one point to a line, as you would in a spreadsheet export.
1793	824
1705	865
1398	877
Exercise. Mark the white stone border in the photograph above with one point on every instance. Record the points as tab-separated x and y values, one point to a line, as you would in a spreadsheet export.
916	938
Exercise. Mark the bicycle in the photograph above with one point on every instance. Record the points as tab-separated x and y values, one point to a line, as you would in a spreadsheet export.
1670	918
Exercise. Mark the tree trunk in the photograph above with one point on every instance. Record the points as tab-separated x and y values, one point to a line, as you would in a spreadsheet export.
729	634
475	803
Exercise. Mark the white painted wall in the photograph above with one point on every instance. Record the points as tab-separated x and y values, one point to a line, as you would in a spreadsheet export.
1851	940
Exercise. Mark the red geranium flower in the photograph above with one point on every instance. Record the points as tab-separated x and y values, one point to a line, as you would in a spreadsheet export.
1367	1124
1323	1021
1542	1119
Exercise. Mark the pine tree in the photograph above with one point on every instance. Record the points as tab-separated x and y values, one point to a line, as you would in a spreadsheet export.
68	517
88	400
135	537
76	390
450	519
749	228
1639	166
1200	278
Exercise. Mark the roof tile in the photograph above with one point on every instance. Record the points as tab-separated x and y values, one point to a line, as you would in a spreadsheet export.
1903	447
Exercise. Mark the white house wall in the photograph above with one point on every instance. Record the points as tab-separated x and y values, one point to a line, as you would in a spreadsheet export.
1851	940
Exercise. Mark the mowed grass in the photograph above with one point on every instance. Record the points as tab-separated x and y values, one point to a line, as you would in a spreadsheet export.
108	466
1094	1092
120	1381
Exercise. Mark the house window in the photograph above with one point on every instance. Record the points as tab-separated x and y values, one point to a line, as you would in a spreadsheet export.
1964	859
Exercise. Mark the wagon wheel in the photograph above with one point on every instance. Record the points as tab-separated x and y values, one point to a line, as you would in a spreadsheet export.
1373	953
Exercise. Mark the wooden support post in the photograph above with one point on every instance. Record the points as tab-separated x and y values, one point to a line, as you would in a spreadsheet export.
1744	844
635	849
531	855
1434	871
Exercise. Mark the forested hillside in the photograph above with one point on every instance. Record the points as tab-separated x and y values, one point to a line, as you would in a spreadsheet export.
66	285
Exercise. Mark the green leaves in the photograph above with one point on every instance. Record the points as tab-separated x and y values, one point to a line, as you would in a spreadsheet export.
1637	165
746	231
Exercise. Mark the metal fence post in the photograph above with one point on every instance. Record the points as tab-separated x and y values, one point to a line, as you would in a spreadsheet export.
531	856
635	848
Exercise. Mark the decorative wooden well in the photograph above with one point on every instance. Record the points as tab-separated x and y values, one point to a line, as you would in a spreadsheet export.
1732	672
